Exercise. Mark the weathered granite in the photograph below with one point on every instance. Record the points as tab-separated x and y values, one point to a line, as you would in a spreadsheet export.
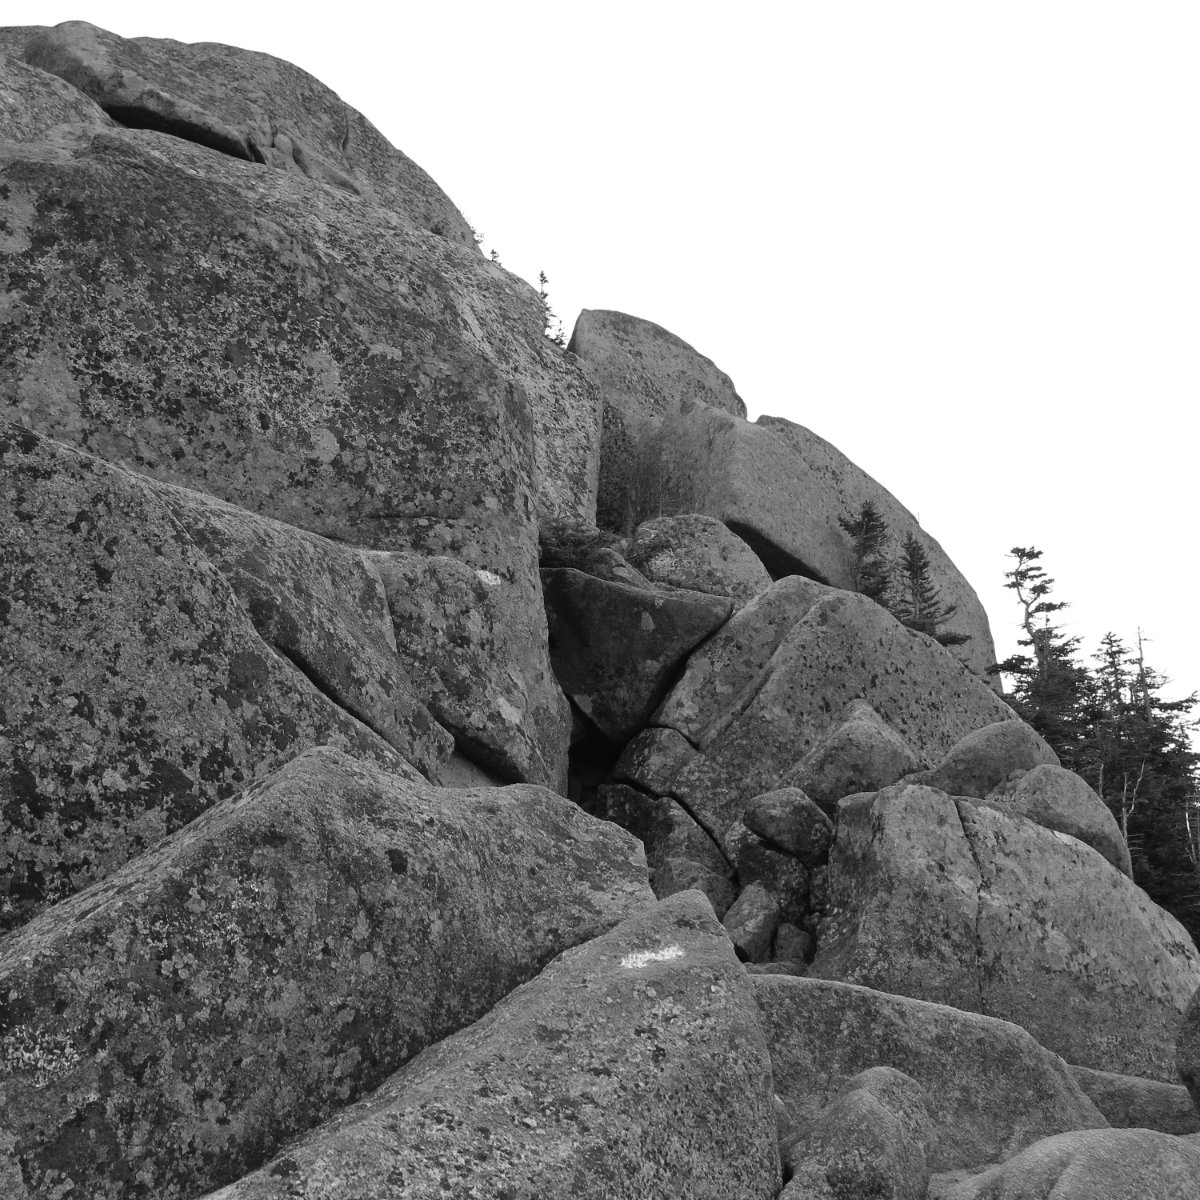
1130	1102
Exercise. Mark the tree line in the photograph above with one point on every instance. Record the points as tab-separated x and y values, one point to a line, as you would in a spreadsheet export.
1107	719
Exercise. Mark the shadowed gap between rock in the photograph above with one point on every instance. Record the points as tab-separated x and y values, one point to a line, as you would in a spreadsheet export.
779	563
712	837
132	117
978	905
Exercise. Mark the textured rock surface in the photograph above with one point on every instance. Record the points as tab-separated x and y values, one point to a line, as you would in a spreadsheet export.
134	686
1121	1164
477	654
616	648
1187	1048
961	904
1129	1102
818	650
991	1088
665	828
632	1067
35	104
700	553
861	754
873	1140
1059	799
246	104
278	958
751	922
784	876
987	758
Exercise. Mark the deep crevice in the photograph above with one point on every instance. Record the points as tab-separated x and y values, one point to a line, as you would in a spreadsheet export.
133	117
687	808
779	563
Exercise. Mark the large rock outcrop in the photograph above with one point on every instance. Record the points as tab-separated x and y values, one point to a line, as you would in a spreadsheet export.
633	1068
277	959
957	903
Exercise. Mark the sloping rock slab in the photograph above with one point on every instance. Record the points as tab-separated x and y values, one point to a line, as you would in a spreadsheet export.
1129	1102
324	608
633	1068
247	104
957	903
991	1089
134	688
278	958
616	648
819	650
1118	1164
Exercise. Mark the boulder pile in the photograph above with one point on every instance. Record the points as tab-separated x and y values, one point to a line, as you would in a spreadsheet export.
434	762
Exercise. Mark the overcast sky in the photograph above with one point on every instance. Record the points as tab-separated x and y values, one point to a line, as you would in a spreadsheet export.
960	240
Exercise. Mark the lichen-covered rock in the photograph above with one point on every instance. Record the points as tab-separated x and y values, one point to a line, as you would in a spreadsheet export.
861	754
788	820
700	553
1117	1164
278	958
1058	799
632	1068
653	758
958	903
476	653
783	875
615	648
324	608
134	686
1130	1102
35	104
675	874
872	1140
773	682
987	758
990	1088
246	104
641	373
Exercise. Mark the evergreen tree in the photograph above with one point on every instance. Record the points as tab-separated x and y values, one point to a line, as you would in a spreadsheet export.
871	571
917	601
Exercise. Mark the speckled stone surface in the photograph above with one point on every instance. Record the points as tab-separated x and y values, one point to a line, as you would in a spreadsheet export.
167	1029
633	1068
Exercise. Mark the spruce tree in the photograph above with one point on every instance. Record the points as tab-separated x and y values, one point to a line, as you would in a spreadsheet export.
916	601
870	571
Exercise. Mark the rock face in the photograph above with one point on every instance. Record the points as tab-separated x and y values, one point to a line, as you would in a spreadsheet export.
1187	1050
634	1066
957	903
317	559
990	1088
278	958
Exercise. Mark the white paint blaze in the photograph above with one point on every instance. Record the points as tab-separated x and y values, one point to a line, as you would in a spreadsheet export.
643	958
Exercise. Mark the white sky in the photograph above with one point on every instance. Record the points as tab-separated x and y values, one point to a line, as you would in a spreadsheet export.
960	240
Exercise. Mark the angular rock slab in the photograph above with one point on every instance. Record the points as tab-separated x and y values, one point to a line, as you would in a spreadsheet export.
1116	1164
1129	1102
633	1067
476	652
246	104
134	687
773	682
991	1089
616	648
277	959
957	903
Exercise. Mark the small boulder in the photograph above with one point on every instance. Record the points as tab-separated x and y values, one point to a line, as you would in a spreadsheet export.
873	1140
1058	799
789	821
861	754
700	553
663	826
785	877
751	923
653	758
988	758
